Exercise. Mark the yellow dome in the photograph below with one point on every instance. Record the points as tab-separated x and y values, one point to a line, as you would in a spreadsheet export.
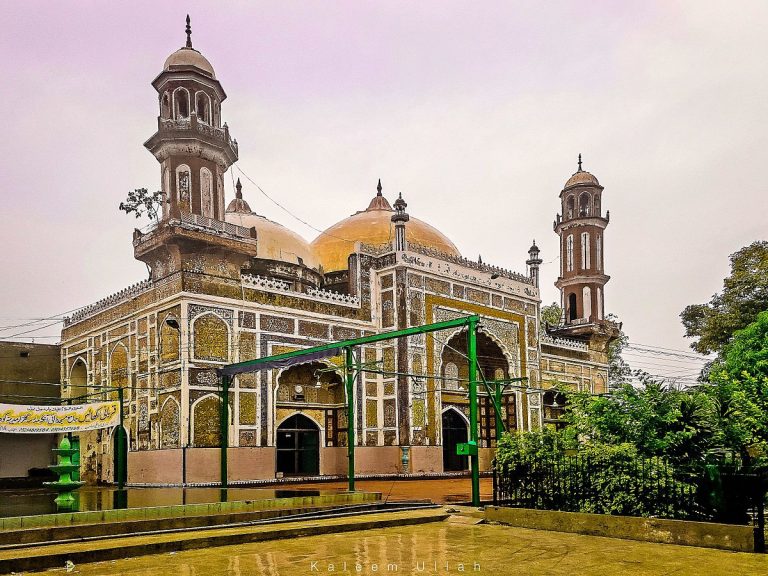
275	241
189	57
373	226
582	177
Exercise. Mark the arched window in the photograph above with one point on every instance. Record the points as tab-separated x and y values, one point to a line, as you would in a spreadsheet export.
169	424
586	295
585	250
180	103
206	192
118	369
599	252
569	253
599	303
597	205
78	378
572	312
584	201
203	107
570	207
184	188
165	106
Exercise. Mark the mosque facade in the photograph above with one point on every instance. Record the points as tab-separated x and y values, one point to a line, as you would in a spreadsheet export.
228	285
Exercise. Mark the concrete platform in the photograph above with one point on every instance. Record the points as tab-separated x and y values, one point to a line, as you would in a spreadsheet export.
39	557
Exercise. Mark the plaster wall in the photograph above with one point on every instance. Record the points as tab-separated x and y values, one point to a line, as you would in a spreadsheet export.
426	459
249	463
155	466
20	452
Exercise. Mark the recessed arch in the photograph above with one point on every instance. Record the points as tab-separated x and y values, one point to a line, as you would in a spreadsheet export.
455	430
169	423
205	416
206	193
181	103
297	444
78	377
203	107
210	338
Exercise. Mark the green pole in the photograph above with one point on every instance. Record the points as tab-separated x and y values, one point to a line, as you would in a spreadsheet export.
497	409
224	428
350	383
472	357
121	454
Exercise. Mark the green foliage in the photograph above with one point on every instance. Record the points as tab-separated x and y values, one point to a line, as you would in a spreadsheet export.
551	315
542	468
744	296
619	372
140	202
657	421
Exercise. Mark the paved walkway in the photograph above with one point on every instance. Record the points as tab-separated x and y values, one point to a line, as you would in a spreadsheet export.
444	548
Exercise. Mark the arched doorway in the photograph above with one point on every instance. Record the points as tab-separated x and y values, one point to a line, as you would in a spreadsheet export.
454	432
298	447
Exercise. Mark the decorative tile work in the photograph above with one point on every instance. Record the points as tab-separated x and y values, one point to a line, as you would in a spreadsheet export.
313	329
195	310
388	355
170	379
371	389
247	349
371	417
371	438
199	377
211	338
387	309
513	304
247	408
206	431
246	320
390	417
386	281
497	301
418	413
277	324
389	388
437	286
415	280
343	333
143	416
479	296
248	438
390	438
416	309
531	324
247	380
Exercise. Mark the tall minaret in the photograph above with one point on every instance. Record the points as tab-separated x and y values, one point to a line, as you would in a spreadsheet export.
533	263
193	148
581	229
400	217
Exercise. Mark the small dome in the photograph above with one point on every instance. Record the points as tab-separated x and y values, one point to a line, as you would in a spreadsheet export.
581	177
238	205
373	226
273	241
189	57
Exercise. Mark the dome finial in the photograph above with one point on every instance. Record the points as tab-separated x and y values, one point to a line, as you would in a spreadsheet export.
579	162
189	33
239	187
378	188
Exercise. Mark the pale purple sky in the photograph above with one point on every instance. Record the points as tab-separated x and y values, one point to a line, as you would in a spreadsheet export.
474	111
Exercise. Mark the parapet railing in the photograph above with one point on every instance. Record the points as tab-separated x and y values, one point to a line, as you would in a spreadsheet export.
275	285
569	343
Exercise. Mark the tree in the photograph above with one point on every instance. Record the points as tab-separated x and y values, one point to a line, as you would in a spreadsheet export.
619	371
551	315
140	202
744	296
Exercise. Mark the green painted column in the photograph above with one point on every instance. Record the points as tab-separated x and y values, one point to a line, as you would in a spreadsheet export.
224	429
472	358
350	384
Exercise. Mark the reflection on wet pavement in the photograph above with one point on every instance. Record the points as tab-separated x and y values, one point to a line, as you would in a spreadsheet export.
442	548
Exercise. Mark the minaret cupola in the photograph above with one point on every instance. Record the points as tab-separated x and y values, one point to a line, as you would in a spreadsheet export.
192	146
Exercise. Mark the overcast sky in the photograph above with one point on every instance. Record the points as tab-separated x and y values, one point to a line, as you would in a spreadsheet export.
475	111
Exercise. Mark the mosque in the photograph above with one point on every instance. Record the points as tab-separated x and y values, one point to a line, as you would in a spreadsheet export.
227	285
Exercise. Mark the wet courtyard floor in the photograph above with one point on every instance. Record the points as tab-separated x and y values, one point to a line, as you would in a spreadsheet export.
438	548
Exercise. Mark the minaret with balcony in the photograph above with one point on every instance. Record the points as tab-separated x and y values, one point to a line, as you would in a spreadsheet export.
581	228
194	150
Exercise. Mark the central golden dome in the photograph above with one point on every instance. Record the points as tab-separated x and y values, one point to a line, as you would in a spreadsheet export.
373	226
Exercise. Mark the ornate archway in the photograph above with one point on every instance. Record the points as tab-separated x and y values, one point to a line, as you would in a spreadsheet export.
298	447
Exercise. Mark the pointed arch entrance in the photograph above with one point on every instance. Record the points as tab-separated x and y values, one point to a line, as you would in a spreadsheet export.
298	447
454	432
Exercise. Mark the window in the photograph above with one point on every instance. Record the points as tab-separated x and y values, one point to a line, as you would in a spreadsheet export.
572	313
599	252
585	250
569	253
570	205
203	107
584	201
181	103
206	192
587	300
599	303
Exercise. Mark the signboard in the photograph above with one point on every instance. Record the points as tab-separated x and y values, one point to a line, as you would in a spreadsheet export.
23	419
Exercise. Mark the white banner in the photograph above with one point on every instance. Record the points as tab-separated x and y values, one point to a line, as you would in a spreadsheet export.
23	419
